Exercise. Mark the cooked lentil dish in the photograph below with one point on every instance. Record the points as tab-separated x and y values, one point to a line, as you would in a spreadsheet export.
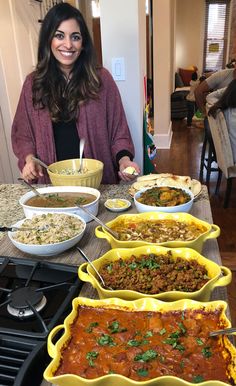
143	345
164	196
153	274
61	200
157	231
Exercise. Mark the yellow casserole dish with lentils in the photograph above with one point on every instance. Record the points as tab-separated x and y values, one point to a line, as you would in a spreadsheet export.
154	273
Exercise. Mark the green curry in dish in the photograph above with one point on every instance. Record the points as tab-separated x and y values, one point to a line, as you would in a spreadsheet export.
164	196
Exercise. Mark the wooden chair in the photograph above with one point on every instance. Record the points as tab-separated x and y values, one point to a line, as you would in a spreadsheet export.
208	158
223	149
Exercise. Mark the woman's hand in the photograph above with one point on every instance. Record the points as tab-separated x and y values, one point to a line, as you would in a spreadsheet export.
31	171
125	162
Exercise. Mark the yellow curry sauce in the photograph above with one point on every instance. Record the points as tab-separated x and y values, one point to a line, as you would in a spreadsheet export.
143	345
157	231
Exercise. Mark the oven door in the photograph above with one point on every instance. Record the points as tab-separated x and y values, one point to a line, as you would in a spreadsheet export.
22	361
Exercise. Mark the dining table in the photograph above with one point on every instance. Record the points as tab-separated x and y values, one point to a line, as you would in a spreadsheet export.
11	212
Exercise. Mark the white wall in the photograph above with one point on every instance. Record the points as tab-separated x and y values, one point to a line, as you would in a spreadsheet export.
18	36
123	34
162	71
189	33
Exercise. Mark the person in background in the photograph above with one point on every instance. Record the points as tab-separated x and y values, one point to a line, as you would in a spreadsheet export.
231	64
191	105
214	82
225	100
69	97
219	79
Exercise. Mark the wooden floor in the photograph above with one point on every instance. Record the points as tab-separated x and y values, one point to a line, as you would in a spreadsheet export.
183	158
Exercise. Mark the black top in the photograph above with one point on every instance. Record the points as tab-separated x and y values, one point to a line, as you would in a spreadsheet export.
66	140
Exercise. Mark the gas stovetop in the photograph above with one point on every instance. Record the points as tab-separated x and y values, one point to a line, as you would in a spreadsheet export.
34	297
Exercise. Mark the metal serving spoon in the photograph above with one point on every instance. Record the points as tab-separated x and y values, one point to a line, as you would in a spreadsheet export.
225	331
95	269
14	229
113	233
81	150
21	180
45	166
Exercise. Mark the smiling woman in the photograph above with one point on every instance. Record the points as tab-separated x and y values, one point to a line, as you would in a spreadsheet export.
69	97
66	46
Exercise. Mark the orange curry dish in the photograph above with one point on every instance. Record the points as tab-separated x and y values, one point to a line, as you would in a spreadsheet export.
143	345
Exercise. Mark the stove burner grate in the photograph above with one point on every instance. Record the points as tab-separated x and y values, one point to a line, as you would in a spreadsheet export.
34	295
26	284
24	301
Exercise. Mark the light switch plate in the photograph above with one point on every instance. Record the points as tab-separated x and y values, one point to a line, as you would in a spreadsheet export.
118	68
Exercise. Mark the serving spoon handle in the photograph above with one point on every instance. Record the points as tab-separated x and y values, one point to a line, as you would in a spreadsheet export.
14	229
40	162
24	182
81	150
92	265
225	331
113	233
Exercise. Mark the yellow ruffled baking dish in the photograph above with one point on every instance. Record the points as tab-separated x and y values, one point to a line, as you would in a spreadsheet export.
147	304
212	230
219	275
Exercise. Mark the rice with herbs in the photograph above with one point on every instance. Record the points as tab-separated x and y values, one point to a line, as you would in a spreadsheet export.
55	228
71	172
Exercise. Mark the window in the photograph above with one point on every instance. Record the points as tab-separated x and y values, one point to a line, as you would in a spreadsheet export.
216	33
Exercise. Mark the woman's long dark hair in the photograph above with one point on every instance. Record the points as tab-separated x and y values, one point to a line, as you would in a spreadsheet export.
50	88
227	100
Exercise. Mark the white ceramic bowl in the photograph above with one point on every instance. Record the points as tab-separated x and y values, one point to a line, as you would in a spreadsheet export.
30	211
47	249
168	209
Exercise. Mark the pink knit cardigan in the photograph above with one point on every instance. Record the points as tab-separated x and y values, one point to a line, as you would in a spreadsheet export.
101	122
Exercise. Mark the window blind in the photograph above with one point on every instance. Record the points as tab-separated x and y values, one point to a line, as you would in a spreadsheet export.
216	34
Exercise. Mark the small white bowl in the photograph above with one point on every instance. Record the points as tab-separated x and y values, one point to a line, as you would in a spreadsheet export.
117	204
47	249
30	211
167	209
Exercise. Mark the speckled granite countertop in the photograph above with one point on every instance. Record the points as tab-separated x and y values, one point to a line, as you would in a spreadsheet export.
11	211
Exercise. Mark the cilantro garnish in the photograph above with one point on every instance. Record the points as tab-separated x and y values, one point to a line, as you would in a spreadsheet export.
90	356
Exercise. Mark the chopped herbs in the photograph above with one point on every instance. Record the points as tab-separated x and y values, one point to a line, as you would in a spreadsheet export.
90	356
148	334
91	327
142	372
182	364
106	340
114	327
146	356
206	351
173	338
199	341
198	379
136	343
